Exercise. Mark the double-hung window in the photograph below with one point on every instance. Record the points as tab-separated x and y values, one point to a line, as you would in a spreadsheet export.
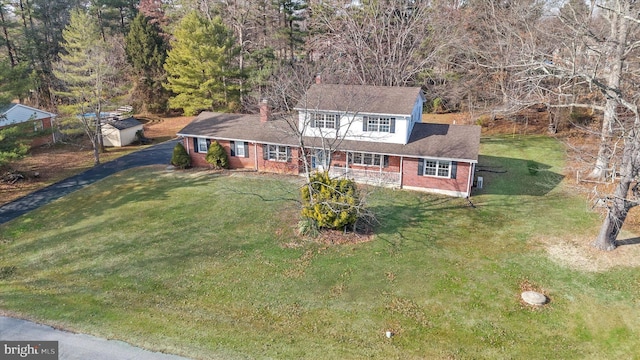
324	120
276	153
201	145
437	168
239	148
365	159
379	124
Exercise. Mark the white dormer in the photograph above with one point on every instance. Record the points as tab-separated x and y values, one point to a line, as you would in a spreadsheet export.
362	113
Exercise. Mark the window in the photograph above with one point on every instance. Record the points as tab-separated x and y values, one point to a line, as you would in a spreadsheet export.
379	124
201	145
365	159
327	121
239	148
38	125
276	153
437	168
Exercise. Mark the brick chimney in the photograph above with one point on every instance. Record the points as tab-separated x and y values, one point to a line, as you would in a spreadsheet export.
264	110
318	79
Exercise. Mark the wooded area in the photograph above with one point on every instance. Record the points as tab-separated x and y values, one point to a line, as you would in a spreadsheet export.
576	59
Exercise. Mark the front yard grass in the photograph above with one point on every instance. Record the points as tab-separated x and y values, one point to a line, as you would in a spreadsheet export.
208	266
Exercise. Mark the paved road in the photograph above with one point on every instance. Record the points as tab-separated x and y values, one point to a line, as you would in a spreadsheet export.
157	154
76	346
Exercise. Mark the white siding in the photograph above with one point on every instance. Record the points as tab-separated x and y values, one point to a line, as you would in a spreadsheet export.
351	128
114	137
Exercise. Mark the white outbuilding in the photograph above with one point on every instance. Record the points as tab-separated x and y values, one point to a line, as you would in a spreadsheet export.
120	132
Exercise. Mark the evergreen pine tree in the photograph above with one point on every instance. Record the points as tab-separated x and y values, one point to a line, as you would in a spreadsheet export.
199	65
146	52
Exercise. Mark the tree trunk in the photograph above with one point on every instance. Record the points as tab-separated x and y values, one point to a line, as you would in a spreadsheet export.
6	38
616	215
619	32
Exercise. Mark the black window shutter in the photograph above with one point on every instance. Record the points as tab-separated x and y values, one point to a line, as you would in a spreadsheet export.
195	145
392	126
246	149
265	152
385	161
288	154
313	119
420	166
364	123
337	118
454	169
232	146
208	144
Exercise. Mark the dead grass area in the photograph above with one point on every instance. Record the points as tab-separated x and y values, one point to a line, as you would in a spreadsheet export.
48	164
162	128
578	254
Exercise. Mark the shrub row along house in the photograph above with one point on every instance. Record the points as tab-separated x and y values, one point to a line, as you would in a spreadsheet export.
371	134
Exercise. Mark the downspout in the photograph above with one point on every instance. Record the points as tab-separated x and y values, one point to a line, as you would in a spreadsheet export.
470	182
401	170
255	155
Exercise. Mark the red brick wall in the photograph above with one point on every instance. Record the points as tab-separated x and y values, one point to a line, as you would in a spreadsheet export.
280	167
410	177
235	162
46	139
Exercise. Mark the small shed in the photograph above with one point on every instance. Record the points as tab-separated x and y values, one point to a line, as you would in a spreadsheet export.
120	132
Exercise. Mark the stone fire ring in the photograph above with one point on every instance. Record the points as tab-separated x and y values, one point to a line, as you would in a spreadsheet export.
534	298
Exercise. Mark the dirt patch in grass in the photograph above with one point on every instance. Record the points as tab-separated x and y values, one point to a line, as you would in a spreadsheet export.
578	254
44	166
162	128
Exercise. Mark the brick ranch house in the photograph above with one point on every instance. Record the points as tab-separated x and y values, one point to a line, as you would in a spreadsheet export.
372	134
13	114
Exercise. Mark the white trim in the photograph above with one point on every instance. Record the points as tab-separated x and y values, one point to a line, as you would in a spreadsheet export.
198	150
453	193
437	168
411	156
234	139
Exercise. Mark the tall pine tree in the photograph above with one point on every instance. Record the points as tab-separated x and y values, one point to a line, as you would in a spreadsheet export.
85	70
146	52
199	66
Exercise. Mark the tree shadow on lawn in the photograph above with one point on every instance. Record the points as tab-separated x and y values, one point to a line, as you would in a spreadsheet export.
510	176
127	188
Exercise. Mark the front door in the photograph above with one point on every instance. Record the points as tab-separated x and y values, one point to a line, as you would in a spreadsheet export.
319	160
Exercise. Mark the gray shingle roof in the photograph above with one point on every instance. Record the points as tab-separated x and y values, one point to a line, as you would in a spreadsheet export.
123	124
456	142
241	127
392	100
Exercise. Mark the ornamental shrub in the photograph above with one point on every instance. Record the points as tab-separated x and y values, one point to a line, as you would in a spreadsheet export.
180	158
217	156
330	203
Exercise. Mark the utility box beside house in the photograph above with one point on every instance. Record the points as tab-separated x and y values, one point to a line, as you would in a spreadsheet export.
120	132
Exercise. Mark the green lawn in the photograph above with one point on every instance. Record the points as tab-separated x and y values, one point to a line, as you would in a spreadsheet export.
208	266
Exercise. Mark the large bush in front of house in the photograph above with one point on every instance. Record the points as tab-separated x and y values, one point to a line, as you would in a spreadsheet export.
330	203
217	156
180	158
